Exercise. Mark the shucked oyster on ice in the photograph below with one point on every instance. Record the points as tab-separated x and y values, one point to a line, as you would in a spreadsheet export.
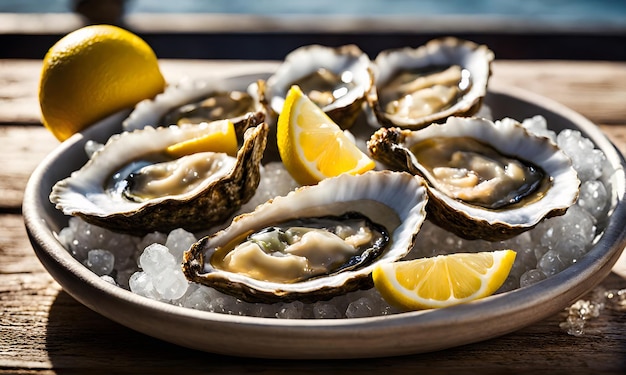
197	101
485	180
414	87
337	79
316	242
132	185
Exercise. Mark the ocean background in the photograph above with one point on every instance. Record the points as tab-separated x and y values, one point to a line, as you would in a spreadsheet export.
268	29
586	11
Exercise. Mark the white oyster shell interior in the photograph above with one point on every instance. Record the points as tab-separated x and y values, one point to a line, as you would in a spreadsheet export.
445	52
84	191
404	196
149	112
307	59
510	138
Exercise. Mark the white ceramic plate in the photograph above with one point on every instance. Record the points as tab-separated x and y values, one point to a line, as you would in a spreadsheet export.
406	333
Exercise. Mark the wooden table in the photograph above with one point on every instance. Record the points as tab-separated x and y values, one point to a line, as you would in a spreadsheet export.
44	330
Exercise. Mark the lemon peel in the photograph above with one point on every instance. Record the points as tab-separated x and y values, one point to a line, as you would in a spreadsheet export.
220	136
312	146
92	73
443	280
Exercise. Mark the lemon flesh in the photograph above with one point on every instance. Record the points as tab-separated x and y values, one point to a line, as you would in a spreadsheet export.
444	280
220	137
312	146
92	73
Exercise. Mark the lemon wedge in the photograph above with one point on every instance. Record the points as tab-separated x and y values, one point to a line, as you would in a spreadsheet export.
312	146
220	137
444	280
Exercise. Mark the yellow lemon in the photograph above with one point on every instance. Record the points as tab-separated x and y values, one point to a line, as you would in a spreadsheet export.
94	72
444	280
220	136
312	146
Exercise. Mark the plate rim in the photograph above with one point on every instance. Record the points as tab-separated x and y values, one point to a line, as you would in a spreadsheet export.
296	335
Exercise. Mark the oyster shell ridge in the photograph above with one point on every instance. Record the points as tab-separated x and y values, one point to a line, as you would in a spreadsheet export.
387	187
391	146
204	208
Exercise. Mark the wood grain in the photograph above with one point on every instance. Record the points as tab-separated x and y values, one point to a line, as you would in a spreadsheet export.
594	89
43	330
598	93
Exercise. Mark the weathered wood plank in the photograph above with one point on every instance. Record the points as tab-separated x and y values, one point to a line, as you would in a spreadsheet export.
595	89
16	253
58	332
19	80
23	148
43	330
17	170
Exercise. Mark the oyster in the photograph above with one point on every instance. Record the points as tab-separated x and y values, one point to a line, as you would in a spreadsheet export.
336	79
197	101
414	87
485	180
316	242
132	185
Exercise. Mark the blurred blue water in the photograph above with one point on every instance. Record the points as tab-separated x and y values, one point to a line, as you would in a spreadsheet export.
557	10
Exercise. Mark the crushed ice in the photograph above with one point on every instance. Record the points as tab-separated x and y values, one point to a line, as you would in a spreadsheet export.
150	266
581	312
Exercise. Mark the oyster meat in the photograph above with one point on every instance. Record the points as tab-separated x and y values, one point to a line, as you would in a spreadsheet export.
336	79
485	180
414	87
133	186
218	105
316	242
197	101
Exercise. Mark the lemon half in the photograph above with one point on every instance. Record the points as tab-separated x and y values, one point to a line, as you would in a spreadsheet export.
94	72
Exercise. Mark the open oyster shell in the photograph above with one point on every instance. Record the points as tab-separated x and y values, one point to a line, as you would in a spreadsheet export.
226	184
506	144
337	79
196	101
394	200
414	87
